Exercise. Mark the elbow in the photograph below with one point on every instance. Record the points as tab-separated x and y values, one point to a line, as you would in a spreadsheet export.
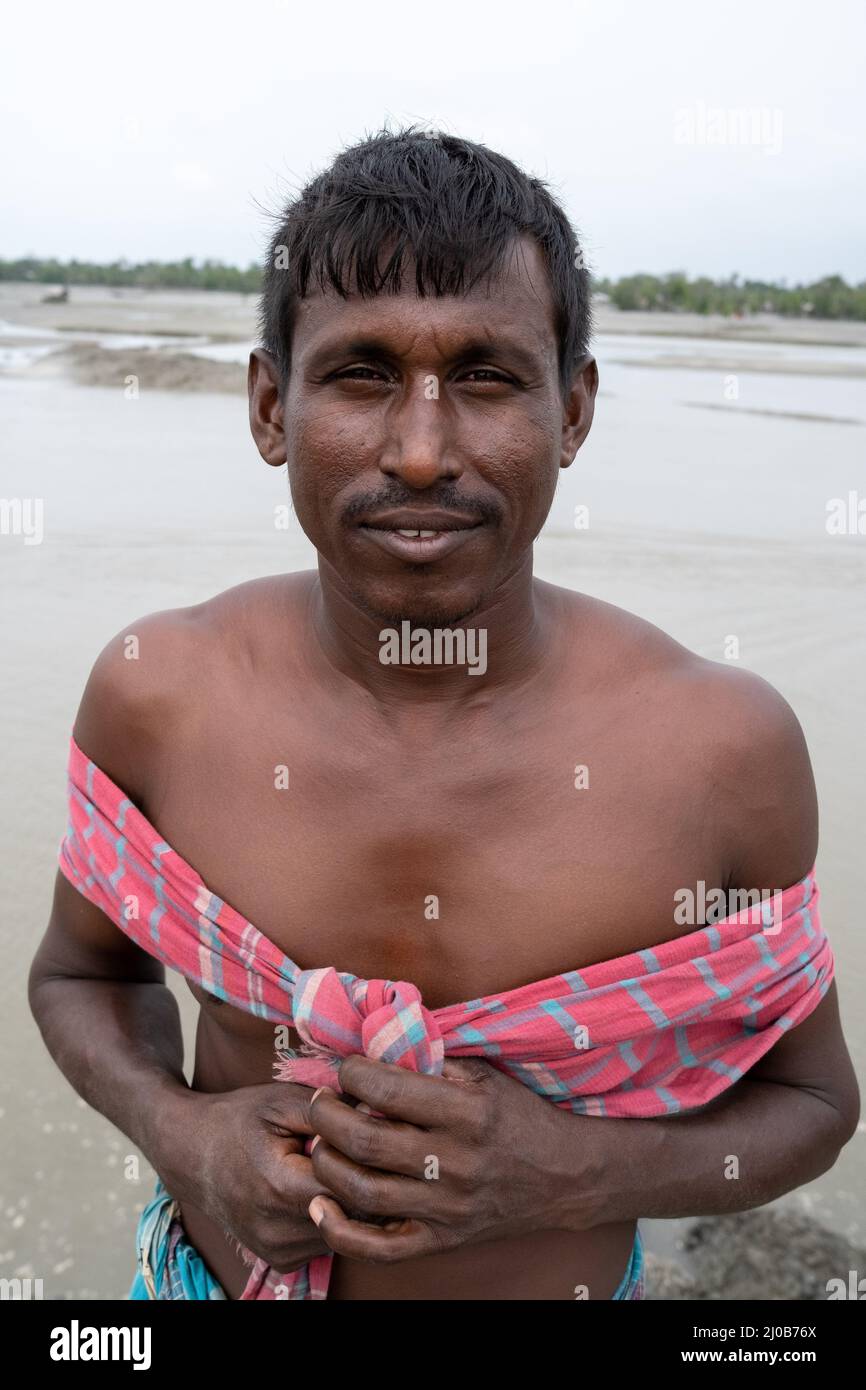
35	995
41	972
846	1103
840	1118
849	1114
34	980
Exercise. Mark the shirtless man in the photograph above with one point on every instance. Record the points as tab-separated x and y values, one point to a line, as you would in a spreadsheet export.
448	413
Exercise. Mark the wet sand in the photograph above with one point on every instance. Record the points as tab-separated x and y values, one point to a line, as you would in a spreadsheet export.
162	501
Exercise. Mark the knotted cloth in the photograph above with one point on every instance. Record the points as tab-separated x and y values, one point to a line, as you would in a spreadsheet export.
651	1033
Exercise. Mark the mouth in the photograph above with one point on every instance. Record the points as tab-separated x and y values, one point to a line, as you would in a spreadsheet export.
419	537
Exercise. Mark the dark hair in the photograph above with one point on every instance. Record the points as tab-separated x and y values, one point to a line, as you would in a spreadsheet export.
451	206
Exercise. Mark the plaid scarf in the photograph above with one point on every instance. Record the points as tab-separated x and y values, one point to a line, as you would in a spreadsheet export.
650	1033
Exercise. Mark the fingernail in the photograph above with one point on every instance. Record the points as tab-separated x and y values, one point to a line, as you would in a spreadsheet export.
315	1142
319	1092
364	1108
317	1211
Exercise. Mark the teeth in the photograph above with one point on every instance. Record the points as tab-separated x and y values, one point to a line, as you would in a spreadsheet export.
415	535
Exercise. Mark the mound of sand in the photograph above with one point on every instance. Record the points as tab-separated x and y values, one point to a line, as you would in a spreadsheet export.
155	369
753	1255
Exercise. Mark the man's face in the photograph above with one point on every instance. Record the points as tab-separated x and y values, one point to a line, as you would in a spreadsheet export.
405	415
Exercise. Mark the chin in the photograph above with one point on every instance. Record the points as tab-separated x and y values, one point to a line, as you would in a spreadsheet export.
423	601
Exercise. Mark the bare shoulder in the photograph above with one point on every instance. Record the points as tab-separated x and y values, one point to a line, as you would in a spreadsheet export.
729	732
151	681
755	762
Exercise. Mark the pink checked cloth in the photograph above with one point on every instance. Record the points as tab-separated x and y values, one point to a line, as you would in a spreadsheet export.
651	1033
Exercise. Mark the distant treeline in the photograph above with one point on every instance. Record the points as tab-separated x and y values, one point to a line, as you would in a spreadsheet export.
162	275
830	298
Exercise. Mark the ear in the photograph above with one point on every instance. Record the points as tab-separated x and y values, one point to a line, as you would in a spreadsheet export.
578	410
266	408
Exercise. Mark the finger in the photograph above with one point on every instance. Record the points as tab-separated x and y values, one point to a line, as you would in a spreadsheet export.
399	1240
430	1101
294	1179
368	1139
375	1194
285	1107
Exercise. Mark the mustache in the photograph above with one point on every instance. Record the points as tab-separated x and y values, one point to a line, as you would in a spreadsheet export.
445	497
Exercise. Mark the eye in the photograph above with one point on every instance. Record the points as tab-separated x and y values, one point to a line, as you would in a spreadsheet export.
358	374
485	376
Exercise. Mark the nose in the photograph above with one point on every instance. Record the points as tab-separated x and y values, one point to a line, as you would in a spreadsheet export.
420	446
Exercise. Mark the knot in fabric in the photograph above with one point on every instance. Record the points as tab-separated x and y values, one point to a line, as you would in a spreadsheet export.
338	1015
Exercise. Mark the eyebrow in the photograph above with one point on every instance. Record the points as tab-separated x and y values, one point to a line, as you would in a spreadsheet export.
474	348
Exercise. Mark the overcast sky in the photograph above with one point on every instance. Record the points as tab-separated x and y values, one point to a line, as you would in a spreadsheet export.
679	135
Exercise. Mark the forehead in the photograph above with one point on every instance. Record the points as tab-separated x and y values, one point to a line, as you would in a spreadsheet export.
515	303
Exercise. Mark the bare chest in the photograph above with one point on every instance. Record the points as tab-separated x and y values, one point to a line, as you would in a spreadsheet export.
465	867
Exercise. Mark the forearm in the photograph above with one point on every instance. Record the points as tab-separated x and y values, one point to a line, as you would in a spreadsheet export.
120	1046
762	1140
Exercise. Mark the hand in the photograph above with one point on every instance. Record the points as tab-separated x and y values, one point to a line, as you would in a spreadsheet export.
238	1156
469	1156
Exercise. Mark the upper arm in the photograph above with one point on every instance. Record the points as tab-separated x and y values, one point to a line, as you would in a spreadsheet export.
131	697
758	779
775	836
761	778
81	942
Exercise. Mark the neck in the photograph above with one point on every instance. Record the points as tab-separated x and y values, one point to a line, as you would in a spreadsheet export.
504	640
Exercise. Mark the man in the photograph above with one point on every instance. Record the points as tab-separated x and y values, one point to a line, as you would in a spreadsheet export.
282	763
